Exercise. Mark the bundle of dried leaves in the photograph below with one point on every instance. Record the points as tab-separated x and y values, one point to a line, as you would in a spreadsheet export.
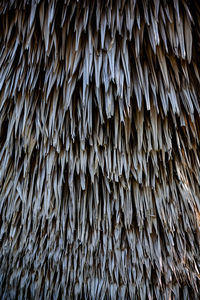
99	149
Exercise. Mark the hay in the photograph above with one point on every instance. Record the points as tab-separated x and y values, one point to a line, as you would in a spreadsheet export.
99	149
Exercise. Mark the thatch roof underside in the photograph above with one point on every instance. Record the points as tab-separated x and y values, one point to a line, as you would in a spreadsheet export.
100	149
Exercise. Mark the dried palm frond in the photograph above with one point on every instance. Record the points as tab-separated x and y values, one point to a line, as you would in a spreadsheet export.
99	149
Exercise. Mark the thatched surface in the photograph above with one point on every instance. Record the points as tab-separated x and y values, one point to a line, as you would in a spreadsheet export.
100	149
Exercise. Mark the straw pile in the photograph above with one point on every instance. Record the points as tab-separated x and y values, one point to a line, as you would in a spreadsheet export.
99	149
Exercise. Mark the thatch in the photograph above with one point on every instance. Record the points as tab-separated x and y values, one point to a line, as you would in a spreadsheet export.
100	149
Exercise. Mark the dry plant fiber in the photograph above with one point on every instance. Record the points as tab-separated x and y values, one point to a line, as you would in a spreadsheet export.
100	149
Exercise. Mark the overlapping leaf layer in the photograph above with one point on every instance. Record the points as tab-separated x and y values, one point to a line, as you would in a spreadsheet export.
99	149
